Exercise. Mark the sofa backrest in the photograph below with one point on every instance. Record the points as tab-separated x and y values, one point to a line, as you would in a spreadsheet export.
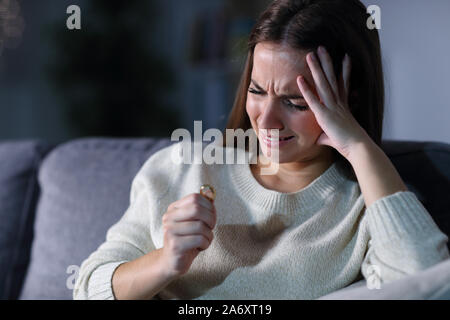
85	187
19	192
425	169
85	190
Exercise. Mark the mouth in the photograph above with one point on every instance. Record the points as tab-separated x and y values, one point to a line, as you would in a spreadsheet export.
280	139
273	141
286	138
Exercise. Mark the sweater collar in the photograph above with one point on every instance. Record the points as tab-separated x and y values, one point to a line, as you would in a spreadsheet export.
311	196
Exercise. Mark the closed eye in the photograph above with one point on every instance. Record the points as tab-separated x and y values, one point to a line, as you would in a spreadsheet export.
288	103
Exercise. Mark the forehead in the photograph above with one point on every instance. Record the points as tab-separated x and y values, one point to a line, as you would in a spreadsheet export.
278	59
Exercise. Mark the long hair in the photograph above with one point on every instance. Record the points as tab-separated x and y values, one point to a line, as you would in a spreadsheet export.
340	26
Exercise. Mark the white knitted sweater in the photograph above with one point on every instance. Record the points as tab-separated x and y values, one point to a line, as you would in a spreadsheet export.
267	244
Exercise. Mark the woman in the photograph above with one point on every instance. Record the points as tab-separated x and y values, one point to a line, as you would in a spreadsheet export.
335	211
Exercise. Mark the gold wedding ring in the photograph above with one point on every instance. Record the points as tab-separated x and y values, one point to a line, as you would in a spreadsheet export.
208	192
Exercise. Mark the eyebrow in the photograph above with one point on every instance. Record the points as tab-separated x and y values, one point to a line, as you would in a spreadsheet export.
286	96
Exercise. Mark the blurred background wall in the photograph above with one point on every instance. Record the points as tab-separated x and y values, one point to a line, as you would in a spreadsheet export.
144	68
415	43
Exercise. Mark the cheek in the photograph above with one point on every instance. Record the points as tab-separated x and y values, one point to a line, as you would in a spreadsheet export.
252	109
306	124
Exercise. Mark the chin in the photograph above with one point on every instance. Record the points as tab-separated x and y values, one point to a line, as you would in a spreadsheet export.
284	156
295	153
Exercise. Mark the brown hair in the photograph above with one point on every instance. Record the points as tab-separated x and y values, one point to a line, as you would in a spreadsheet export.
341	27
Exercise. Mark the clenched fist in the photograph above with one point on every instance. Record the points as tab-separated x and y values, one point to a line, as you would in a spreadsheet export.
188	229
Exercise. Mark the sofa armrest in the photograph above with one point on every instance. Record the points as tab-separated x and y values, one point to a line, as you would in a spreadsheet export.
430	284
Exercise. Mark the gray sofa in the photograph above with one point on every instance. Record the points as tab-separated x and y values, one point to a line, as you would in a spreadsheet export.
57	202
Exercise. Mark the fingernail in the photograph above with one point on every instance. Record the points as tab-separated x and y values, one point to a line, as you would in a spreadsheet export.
302	80
321	49
313	56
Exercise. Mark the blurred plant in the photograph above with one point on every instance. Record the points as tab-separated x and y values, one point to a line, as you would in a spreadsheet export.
12	24
110	80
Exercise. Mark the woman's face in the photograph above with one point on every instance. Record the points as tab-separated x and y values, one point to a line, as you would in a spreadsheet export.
274	101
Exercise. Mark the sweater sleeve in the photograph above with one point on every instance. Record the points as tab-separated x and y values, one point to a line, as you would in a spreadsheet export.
126	241
404	239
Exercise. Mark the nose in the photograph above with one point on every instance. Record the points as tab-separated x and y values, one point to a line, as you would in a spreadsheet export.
270	117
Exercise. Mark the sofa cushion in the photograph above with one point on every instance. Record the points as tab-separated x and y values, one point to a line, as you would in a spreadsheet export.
85	190
19	163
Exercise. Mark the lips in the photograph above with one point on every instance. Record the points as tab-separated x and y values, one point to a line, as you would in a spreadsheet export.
280	139
281	142
287	138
